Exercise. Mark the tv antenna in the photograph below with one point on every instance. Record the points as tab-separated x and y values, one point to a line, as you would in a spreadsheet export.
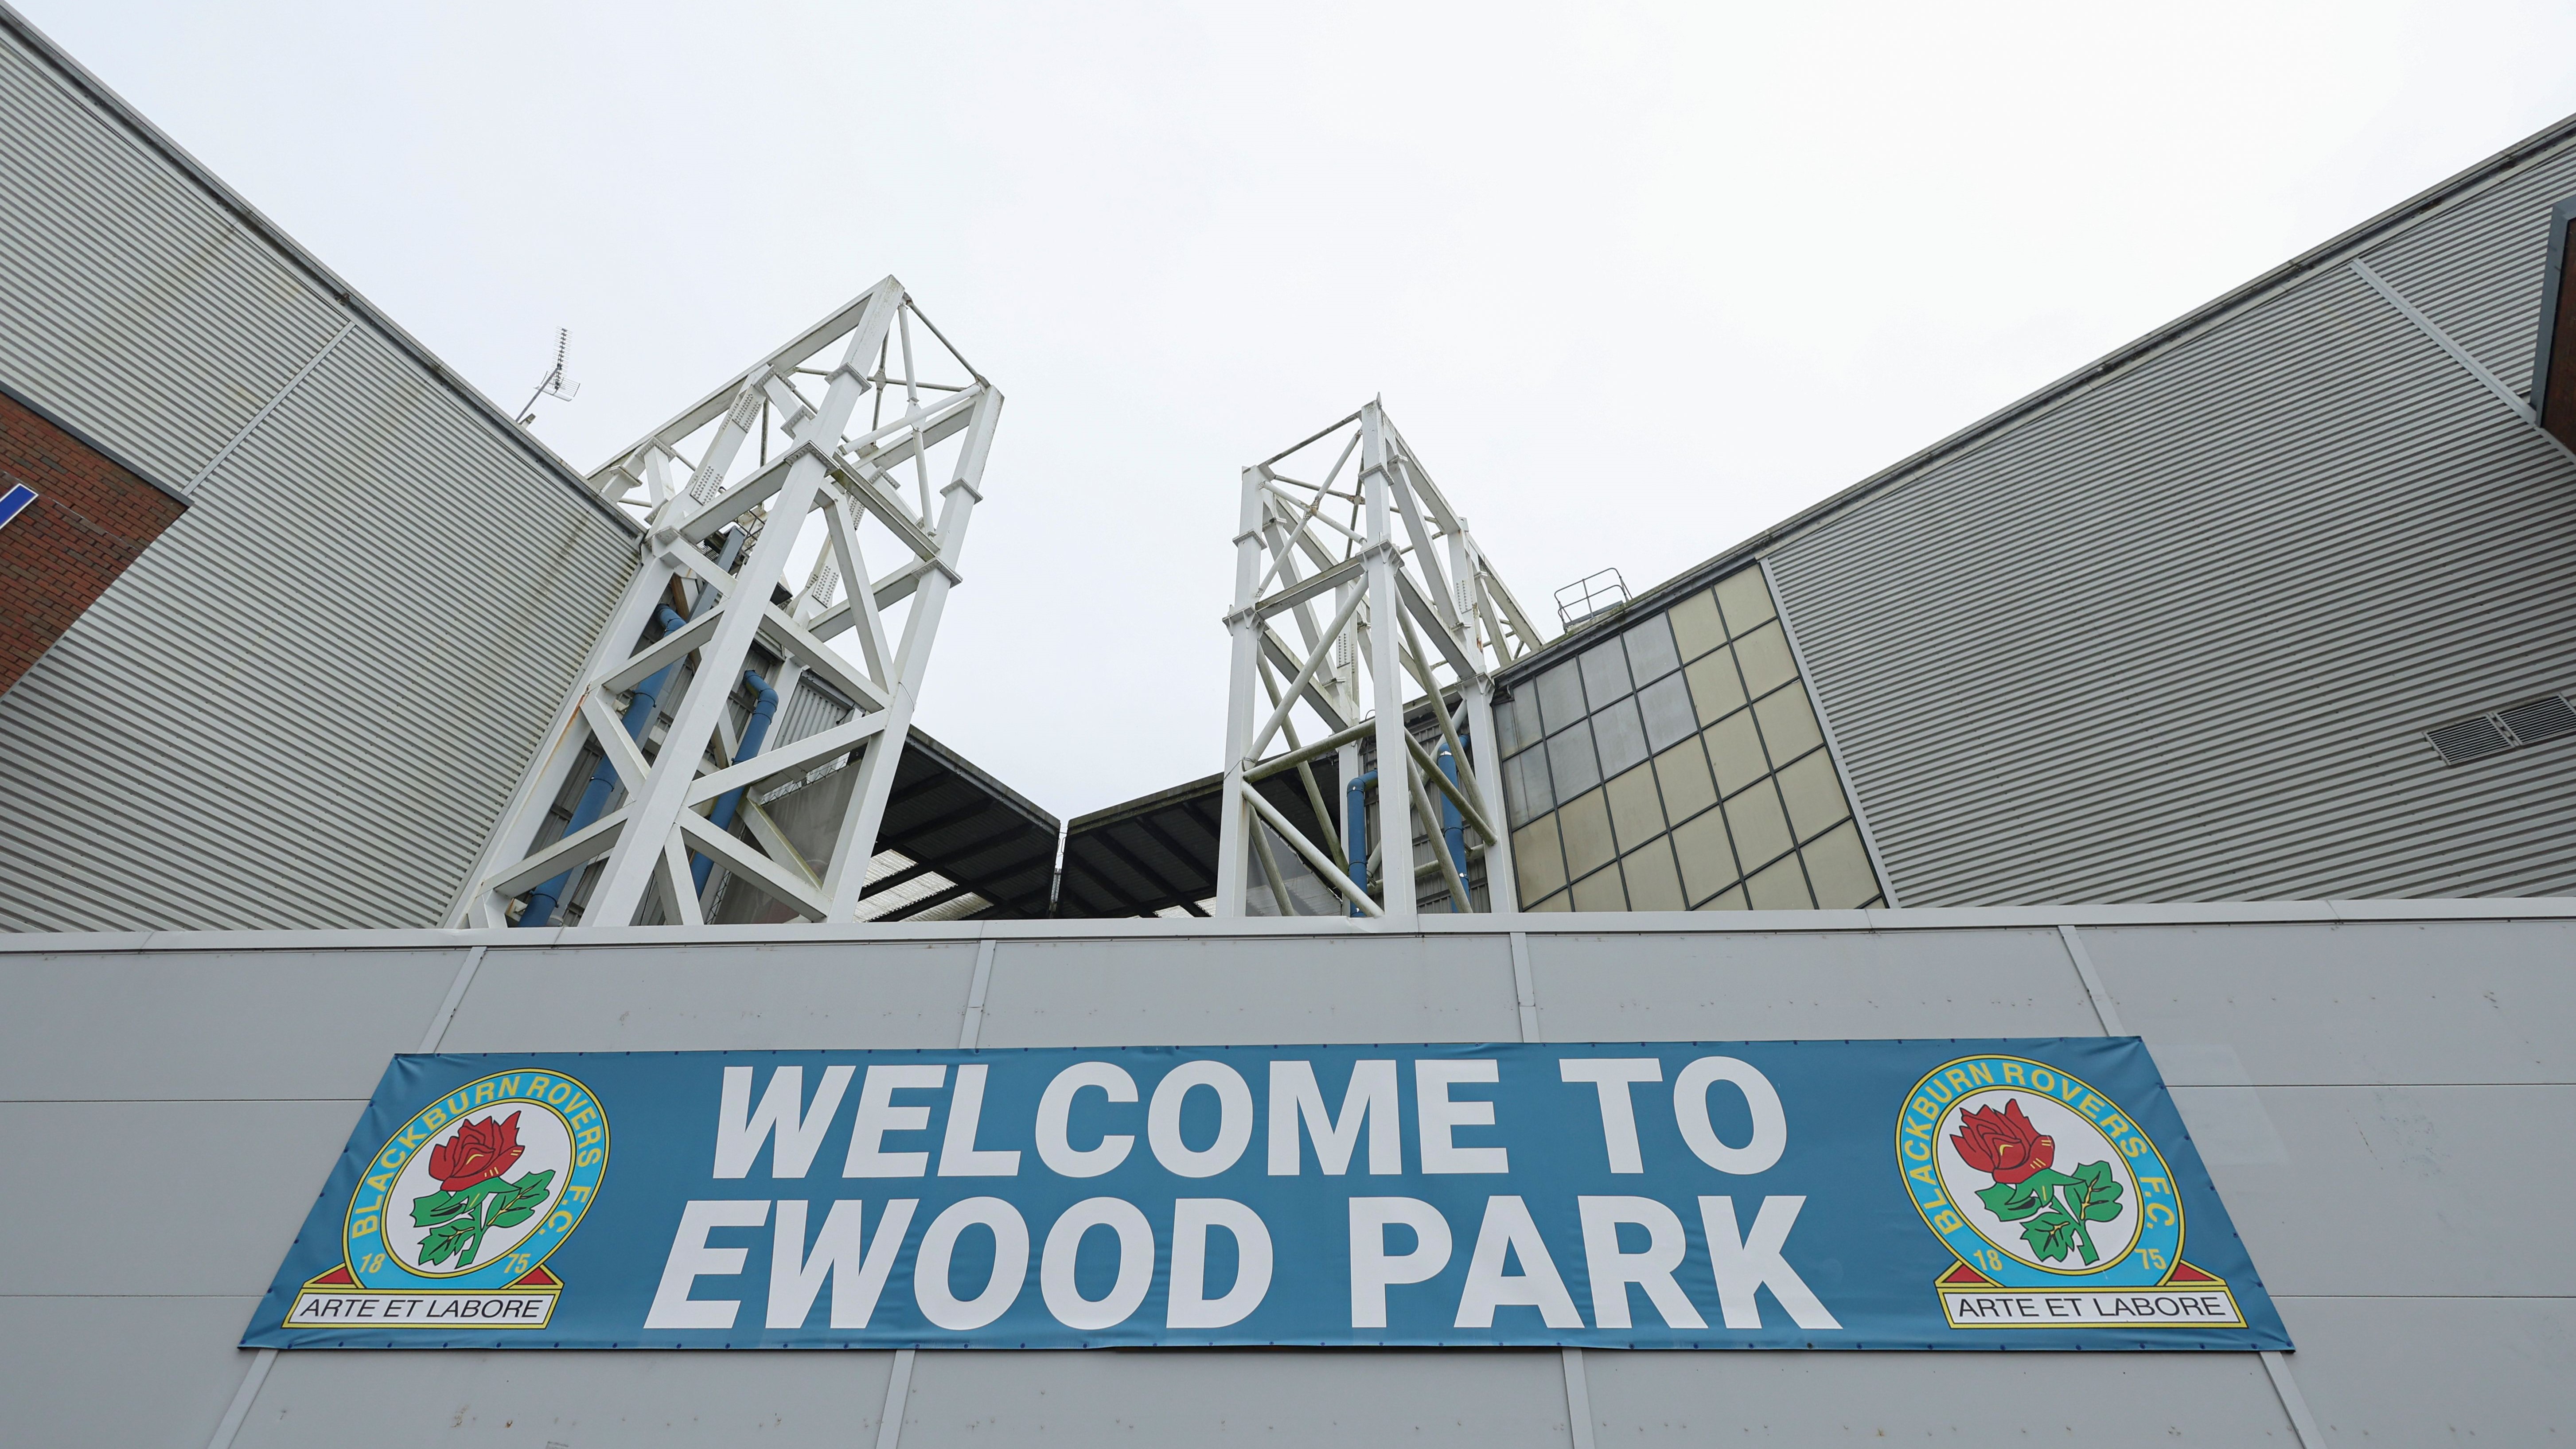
552	384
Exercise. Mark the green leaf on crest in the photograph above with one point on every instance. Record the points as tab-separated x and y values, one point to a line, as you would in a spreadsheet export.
444	1240
2096	1195
438	1207
2010	1201
2051	1235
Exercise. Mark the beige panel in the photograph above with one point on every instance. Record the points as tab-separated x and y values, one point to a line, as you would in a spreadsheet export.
1682	771
1652	883
1636	815
1760	830
1586	828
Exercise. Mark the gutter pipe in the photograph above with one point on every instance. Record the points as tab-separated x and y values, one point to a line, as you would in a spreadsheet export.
755	732
640	711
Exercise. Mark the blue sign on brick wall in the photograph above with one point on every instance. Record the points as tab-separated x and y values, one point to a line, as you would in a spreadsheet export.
14	501
1875	1194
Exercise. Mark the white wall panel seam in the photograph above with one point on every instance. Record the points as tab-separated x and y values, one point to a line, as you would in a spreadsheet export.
2442	339
2352	679
2549	145
113	108
2178	375
192	242
186	647
270	406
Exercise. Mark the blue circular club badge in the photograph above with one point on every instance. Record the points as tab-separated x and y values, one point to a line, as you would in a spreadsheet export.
452	1220
2058	1206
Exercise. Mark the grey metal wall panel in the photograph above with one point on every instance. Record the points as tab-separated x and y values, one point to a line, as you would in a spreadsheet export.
2175	638
2434	1370
137	306
1794	986
1472	1400
2475	268
57	1349
166	1026
303	706
2364	1188
580	1401
2100	1400
186	1202
636	999
2373	1002
369	674
2371	1172
1202	993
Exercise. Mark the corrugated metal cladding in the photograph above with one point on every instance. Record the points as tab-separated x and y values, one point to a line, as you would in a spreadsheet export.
303	705
137	305
2360	1164
2177	636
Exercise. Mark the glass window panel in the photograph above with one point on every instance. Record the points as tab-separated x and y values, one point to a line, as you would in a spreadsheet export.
1760	830
1735	752
1764	656
1652	885
1715	688
1605	673
1585	824
1788	724
1683	772
1621	734
1839	869
1669	717
1558	902
1537	861
1600	892
1525	785
1696	627
1560	697
1814	797
1707	860
1571	764
1635	814
1516	720
1650	650
1746	603
1781	888
1729	901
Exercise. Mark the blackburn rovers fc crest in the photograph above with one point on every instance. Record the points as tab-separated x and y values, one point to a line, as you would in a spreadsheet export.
2058	1206
453	1218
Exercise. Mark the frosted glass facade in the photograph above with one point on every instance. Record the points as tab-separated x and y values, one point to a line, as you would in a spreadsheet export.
1677	764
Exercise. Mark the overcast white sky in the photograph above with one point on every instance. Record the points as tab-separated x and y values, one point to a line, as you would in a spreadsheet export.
1637	280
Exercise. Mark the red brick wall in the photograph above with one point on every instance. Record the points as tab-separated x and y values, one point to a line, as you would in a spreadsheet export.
90	519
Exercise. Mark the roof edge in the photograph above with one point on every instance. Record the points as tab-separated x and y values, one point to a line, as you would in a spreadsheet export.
82	436
966	769
331	283
2336	248
1145	804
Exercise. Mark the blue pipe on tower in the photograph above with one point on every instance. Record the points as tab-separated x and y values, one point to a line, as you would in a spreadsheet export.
1356	837
640	710
1453	826
755	731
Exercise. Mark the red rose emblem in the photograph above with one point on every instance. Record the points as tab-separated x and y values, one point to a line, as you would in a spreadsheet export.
482	1150
2001	1143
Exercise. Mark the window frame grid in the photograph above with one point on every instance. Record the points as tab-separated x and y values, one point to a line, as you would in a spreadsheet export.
1772	767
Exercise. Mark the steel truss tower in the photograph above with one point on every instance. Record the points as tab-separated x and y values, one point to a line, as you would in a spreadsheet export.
858	432
1390	601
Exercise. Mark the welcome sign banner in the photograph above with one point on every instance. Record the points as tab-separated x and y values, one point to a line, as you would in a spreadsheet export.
1867	1195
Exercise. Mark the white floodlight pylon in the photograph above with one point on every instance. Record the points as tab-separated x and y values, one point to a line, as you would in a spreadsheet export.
720	529
1391	602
